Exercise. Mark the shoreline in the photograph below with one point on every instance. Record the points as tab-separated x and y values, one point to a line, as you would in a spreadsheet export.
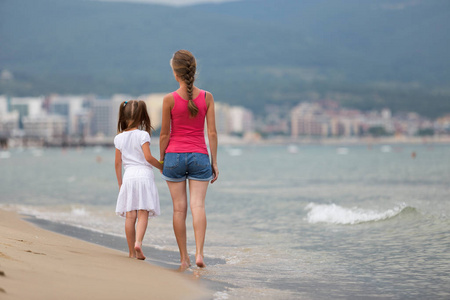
254	140
162	258
52	265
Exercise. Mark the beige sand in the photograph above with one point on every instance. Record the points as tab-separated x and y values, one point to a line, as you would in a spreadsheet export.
38	264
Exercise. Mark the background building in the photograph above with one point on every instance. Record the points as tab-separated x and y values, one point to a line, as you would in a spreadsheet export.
154	104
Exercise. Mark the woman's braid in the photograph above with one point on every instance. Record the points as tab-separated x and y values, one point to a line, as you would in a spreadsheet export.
189	78
184	65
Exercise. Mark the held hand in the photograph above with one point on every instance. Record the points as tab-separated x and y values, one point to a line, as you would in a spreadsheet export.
215	171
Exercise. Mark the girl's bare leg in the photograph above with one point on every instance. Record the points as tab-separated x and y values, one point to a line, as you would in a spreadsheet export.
197	195
130	232
179	199
141	227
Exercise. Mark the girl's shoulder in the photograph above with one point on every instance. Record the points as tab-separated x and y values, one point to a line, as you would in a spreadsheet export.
118	140
142	132
144	136
139	132
118	136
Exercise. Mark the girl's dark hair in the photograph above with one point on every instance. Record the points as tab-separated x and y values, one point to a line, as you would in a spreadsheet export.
133	113
184	65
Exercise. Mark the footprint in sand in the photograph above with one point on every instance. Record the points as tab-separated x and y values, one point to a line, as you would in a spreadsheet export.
3	255
29	251
1	289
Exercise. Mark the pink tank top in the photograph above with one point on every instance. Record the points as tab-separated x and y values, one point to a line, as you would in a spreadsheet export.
186	133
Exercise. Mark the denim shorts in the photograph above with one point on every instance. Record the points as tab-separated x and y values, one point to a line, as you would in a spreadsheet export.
181	166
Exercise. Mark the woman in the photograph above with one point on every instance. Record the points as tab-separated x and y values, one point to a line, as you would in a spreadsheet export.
184	152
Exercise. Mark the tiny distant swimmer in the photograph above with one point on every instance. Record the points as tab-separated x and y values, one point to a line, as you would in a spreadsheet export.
138	197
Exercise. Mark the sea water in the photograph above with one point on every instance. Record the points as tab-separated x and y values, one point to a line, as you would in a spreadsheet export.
321	222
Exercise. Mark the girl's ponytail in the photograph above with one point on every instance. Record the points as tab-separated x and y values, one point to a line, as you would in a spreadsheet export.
143	118
122	122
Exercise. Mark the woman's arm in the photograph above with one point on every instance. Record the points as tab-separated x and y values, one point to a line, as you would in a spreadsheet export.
212	134
149	157
118	166
164	136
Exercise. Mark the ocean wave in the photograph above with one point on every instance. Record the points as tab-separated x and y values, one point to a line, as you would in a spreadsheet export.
335	214
73	215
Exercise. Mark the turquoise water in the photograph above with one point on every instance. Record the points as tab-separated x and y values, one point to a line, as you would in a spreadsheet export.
319	222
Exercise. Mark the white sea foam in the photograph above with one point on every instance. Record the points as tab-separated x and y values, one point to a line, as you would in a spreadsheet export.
335	214
220	296
77	216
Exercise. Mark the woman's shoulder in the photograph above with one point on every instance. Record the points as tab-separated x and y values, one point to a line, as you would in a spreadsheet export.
169	95
169	98
209	98
207	93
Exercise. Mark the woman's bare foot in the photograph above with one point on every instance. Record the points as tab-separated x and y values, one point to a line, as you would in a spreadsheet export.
139	254
199	261
184	266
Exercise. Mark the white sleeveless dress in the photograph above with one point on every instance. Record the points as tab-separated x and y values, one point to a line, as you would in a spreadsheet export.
138	190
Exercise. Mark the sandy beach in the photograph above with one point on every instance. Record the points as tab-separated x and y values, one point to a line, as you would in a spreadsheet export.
39	264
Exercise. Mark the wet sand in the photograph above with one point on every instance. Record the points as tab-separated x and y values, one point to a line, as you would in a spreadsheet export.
39	264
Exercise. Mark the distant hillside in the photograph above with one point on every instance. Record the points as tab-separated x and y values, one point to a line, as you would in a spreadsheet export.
364	53
401	40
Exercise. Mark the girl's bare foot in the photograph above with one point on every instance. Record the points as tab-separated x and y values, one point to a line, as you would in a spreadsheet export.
199	261
138	248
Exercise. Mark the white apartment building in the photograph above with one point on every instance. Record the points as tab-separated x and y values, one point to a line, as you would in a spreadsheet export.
241	119
47	127
102	121
3	106
154	104
26	107
380	119
105	114
9	121
308	119
69	107
222	111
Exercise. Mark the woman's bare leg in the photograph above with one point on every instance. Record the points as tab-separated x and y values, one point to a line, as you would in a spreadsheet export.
130	231
141	227
179	199
197	195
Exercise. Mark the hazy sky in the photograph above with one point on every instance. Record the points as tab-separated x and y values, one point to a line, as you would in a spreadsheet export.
173	2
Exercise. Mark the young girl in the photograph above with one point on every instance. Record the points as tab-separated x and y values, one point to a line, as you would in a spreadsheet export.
138	196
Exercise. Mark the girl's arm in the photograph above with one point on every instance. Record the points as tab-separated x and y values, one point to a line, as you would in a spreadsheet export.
118	166
164	136
149	157
212	134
